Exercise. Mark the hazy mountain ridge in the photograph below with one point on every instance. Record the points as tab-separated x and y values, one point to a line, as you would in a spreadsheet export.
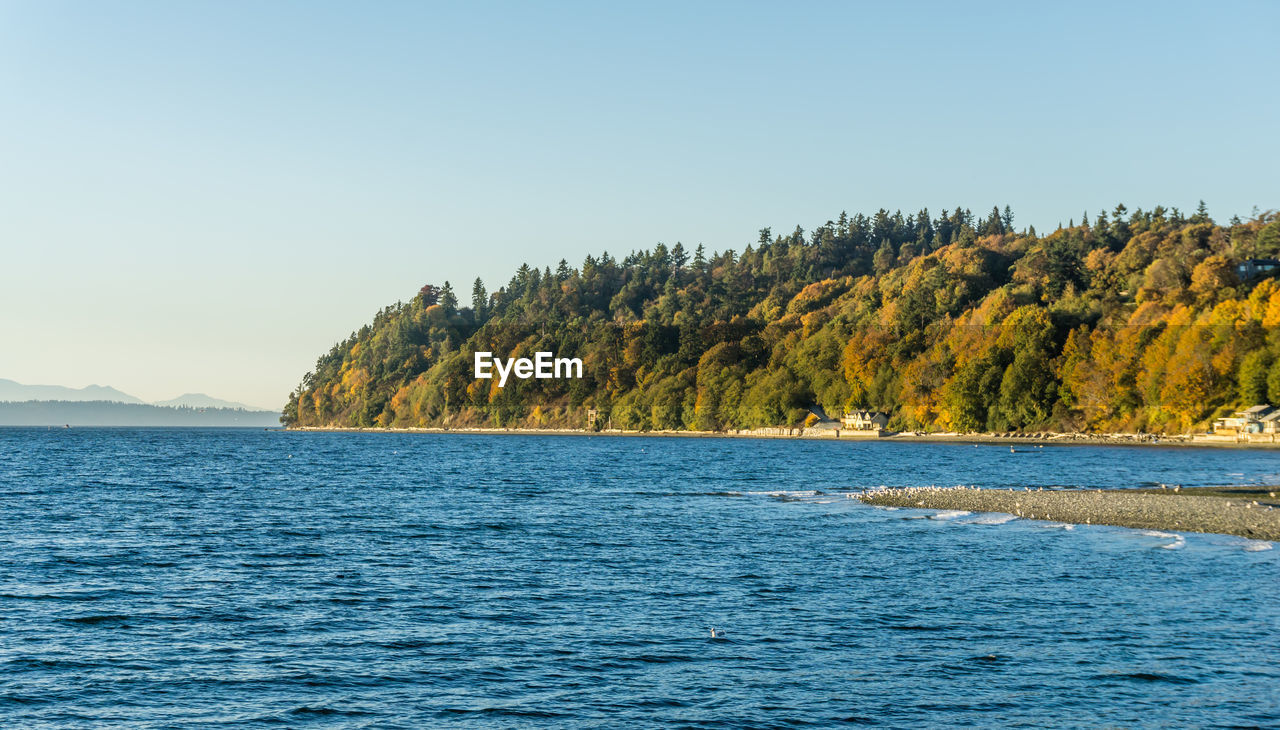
107	413
201	400
15	392
11	390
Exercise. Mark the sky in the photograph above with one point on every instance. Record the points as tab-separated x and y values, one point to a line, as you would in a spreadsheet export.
206	196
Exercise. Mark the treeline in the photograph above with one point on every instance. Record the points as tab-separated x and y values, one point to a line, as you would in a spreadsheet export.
1134	320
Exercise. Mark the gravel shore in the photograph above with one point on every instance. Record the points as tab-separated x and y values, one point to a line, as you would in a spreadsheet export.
1124	508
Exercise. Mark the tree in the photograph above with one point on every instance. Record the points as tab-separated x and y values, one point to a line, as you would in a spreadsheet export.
679	256
1027	390
1273	382
970	393
1253	377
1211	276
448	300
1201	215
479	300
1268	241
884	258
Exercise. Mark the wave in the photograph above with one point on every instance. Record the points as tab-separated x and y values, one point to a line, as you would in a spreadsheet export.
950	514
991	518
1178	540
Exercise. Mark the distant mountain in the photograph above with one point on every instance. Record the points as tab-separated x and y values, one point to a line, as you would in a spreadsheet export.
103	413
14	391
200	400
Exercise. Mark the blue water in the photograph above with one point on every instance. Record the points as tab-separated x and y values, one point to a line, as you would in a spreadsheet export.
196	578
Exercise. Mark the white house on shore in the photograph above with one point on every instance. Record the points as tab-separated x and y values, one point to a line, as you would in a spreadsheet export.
1254	419
865	421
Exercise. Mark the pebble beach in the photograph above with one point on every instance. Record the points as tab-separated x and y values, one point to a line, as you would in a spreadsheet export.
1245	515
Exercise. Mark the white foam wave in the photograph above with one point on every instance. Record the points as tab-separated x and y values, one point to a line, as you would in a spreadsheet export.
950	514
1178	540
1254	546
994	518
1058	526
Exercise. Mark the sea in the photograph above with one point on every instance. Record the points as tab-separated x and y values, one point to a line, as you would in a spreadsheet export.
189	578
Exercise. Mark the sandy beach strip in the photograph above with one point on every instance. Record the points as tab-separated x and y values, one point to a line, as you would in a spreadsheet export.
1172	511
1039	439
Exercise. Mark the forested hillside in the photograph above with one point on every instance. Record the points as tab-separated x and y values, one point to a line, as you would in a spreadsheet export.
1134	320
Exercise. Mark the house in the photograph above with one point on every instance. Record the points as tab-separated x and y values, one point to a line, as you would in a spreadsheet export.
865	420
1250	268
1254	419
1271	422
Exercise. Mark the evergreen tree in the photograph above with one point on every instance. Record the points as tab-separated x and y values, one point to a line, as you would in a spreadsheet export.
884	258
1201	214
479	300
679	256
448	300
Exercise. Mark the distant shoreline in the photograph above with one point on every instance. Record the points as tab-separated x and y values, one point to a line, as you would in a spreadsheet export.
1050	439
83	414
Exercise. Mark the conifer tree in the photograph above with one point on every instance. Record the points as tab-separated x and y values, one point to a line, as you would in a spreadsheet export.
448	300
479	300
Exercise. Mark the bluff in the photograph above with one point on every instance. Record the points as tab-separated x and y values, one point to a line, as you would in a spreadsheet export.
1137	320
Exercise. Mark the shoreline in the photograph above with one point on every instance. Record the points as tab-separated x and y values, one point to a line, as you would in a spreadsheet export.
1037	439
1248	513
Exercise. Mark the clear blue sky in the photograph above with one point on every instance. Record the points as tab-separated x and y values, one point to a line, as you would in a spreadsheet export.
204	196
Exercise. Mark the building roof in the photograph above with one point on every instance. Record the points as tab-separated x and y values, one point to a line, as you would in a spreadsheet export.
1257	410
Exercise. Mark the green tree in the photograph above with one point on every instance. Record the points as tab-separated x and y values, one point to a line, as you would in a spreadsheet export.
1253	377
884	258
448	299
479	300
1273	382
